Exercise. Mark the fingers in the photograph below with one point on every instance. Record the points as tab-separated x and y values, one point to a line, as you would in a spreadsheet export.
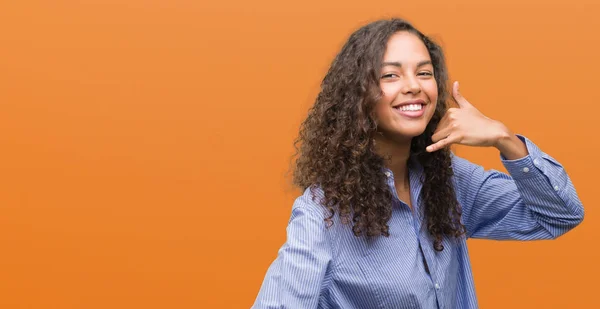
448	121
443	143
448	132
441	134
443	122
462	102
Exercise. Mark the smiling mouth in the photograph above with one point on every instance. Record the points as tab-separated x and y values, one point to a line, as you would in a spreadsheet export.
411	111
410	107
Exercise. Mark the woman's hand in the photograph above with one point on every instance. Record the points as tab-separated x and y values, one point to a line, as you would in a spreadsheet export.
466	125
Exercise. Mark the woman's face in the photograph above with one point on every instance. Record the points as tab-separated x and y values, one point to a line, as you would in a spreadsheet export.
409	88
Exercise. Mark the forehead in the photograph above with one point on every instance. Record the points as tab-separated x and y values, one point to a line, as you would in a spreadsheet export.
405	47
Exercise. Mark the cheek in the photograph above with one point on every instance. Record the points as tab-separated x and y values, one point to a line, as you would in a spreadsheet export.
431	91
381	108
390	90
388	95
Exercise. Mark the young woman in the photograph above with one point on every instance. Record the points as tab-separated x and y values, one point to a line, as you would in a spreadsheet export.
387	207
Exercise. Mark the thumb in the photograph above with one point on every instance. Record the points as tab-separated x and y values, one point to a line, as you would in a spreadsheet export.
462	102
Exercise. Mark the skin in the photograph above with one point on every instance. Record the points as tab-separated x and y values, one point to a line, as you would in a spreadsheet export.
407	74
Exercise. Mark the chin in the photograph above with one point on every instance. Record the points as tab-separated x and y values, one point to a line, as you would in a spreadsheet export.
402	133
412	131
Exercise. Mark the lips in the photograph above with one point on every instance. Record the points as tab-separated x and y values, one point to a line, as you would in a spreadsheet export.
409	102
411	114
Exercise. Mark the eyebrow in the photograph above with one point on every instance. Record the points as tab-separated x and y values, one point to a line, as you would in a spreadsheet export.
398	64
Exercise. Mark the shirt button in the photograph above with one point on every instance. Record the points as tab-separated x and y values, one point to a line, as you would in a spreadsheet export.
525	169
536	162
555	188
388	174
437	286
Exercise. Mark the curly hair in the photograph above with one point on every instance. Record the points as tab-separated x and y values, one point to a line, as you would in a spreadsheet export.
335	146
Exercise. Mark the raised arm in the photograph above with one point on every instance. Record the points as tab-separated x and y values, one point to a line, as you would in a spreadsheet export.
535	200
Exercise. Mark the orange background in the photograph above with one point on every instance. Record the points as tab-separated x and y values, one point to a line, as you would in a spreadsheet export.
144	144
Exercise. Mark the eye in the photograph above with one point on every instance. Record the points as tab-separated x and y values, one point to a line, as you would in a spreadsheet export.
389	75
425	74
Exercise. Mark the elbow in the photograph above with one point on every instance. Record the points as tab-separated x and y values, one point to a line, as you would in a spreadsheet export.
579	217
567	224
578	212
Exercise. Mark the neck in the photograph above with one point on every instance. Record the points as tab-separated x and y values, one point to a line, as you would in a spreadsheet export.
396	154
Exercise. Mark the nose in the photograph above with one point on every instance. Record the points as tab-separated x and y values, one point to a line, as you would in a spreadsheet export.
411	85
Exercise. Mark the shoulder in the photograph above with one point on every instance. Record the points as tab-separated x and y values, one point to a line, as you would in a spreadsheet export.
311	199
309	218
310	204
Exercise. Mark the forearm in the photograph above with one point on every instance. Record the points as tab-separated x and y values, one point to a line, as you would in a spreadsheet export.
510	146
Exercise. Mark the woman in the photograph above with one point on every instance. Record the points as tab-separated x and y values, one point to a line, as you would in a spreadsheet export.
387	207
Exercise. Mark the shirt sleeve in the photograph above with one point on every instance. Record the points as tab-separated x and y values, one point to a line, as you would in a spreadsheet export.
535	200
295	278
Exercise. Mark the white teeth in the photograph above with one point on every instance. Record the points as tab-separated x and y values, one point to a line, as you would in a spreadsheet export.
411	107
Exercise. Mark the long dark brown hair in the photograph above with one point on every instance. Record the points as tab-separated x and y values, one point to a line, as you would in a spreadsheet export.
335	146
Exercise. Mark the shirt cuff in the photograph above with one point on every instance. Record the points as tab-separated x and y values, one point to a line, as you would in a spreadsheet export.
530	166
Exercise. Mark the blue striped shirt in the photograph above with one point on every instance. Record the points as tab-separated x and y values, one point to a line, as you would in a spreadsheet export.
320	267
